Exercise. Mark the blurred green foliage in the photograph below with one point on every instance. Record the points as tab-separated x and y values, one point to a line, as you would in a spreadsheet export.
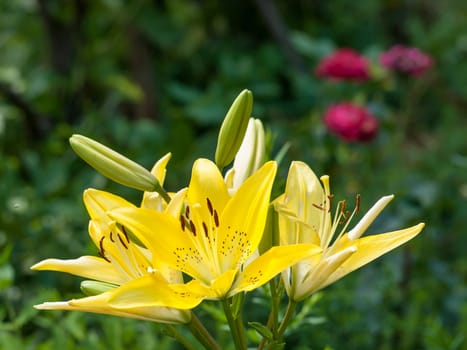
148	77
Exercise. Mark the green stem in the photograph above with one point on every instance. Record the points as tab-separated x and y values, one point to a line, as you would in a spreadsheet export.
174	333
287	317
202	334
159	189
272	319
236	327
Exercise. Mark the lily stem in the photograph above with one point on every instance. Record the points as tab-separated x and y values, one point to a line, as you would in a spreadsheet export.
287	317
174	333
159	189
236	328
272	319
202	334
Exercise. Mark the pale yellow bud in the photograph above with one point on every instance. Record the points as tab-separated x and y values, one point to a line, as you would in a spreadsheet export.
113	165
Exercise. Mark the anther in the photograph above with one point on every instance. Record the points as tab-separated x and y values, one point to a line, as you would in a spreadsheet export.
111	236
318	206
101	249
126	235
182	222
121	241
187	212
357	204
209	206
205	229
330	196
216	218
193	228
343	206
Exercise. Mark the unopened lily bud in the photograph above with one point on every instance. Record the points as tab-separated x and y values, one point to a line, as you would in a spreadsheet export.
233	129
250	157
113	165
91	288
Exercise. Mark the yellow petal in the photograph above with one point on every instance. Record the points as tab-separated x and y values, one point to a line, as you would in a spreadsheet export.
162	234
99	304
217	289
301	208
99	202
371	247
318	274
207	183
243	219
158	170
152	291
86	266
271	263
153	200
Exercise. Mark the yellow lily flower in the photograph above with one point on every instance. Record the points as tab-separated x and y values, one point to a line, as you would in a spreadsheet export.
215	236
123	265
305	217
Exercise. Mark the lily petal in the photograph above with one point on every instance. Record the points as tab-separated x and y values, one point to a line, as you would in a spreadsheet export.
99	202
150	290
161	234
207	183
243	219
99	304
271	263
90	267
153	200
371	247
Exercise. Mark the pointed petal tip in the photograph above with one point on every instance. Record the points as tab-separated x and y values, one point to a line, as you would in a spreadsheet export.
51	305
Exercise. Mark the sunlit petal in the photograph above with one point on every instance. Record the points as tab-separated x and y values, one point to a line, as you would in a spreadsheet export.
100	304
152	291
270	264
90	267
371	247
242	222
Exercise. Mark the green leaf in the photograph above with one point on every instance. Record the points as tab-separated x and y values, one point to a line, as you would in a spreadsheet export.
261	329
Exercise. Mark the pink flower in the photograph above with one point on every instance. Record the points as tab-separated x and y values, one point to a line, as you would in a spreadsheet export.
405	59
351	122
344	64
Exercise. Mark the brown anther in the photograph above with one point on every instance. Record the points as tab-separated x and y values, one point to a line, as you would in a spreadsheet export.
121	241
111	236
205	228
193	228
343	206
187	212
103	257
126	235
318	206
101	249
216	218
330	202
182	222
357	204
209	206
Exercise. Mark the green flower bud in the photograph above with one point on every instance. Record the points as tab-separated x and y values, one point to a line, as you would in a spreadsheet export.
233	129
113	165
91	288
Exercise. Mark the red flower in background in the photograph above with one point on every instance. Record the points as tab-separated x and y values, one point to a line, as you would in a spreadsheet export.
405	59
344	64
351	122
